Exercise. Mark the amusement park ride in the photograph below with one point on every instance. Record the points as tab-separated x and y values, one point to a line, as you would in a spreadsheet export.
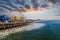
6	22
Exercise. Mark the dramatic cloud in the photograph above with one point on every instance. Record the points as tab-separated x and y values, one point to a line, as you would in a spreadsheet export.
30	5
52	1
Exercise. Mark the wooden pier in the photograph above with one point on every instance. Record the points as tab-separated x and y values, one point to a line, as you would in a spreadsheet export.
11	24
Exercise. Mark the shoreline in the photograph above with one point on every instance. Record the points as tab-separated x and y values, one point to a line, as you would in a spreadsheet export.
19	29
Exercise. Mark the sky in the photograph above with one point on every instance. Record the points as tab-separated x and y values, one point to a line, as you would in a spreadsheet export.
32	9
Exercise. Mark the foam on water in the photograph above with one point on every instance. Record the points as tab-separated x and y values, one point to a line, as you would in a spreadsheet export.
48	30
31	26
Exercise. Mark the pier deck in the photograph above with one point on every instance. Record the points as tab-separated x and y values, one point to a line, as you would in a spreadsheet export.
11	24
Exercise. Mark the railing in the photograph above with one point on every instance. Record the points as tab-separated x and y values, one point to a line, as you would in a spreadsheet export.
11	24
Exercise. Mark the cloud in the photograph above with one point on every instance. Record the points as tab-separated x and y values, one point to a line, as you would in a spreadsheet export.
44	6
52	1
24	5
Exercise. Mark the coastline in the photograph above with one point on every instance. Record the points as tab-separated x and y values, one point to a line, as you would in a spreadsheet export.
19	29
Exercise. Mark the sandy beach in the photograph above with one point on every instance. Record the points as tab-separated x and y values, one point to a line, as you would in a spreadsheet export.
29	27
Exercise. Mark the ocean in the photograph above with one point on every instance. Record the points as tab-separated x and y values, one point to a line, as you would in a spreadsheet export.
49	31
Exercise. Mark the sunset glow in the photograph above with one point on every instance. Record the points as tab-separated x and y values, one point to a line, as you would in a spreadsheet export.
41	9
